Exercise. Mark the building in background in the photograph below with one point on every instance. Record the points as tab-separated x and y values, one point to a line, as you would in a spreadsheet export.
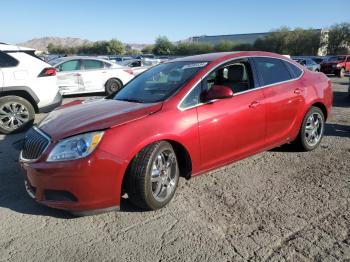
251	38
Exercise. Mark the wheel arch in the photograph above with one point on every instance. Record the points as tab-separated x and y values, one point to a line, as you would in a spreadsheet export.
113	78
323	108
23	94
182	155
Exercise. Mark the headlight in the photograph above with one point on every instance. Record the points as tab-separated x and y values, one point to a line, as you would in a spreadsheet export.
334	66
75	147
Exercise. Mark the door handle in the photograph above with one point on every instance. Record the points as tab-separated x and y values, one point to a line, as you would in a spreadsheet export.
77	74
254	104
103	72
298	91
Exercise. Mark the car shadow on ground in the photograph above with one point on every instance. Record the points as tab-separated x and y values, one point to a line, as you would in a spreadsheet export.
330	130
12	191
341	99
337	130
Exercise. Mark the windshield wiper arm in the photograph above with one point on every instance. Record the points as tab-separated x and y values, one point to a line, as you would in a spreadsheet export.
131	100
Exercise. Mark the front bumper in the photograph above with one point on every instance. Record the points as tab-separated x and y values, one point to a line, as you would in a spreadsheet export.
329	70
55	103
80	186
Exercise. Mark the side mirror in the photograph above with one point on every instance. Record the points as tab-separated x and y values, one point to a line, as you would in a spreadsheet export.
217	92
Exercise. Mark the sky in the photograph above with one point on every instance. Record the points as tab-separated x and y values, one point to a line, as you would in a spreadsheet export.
140	21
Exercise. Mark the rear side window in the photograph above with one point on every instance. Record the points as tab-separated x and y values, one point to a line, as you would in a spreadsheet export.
7	60
295	71
271	70
92	64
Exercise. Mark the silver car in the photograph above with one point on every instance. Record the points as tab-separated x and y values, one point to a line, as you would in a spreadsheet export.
309	64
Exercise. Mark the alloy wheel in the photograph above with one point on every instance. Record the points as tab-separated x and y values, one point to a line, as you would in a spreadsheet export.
314	129
13	115
163	176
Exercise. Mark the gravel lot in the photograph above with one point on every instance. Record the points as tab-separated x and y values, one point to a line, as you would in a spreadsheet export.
278	205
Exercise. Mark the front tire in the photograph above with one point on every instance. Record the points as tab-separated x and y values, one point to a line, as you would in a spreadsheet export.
113	86
341	72
16	114
311	131
153	176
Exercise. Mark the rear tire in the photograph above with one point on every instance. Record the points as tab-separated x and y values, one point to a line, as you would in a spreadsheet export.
113	86
311	131
152	177
16	114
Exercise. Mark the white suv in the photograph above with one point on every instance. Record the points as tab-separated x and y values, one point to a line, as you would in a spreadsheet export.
28	85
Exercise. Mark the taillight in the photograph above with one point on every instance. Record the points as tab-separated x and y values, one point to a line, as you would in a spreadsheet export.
49	71
129	71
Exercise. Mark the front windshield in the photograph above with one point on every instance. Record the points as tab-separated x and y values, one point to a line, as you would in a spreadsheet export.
336	58
159	82
126	62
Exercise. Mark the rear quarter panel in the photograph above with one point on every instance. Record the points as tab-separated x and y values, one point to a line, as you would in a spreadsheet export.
318	90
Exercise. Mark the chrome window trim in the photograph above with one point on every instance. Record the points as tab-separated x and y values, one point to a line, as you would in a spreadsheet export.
22	159
239	93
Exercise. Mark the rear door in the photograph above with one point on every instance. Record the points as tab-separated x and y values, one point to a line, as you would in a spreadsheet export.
94	75
284	97
68	76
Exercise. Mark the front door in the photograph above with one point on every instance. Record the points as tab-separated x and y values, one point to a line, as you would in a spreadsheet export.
68	77
231	128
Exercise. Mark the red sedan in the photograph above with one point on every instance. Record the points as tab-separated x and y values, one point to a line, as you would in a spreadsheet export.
181	118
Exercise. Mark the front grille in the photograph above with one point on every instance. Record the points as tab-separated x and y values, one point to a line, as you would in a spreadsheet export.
34	144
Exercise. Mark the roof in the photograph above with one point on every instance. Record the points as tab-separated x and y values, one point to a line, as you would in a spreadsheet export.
66	58
204	57
211	57
8	47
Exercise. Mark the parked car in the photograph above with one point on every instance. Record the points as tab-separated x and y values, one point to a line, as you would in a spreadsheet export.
120	59
318	59
140	65
308	63
180	118
349	86
78	75
28	85
337	65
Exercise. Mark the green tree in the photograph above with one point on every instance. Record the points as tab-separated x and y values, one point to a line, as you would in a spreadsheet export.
147	49
224	46
338	41
163	46
115	47
302	42
292	42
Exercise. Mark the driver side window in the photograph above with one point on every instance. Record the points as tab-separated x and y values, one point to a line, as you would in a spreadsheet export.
69	66
236	75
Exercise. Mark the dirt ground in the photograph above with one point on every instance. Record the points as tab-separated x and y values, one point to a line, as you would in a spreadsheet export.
275	206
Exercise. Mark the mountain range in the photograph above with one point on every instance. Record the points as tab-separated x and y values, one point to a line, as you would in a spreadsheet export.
42	43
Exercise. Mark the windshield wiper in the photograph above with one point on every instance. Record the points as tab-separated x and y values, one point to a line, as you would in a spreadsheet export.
131	100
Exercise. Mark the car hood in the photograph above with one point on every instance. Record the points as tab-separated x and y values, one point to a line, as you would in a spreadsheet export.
97	115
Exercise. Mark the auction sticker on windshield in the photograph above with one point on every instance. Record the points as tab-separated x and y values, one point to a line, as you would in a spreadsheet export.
195	65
